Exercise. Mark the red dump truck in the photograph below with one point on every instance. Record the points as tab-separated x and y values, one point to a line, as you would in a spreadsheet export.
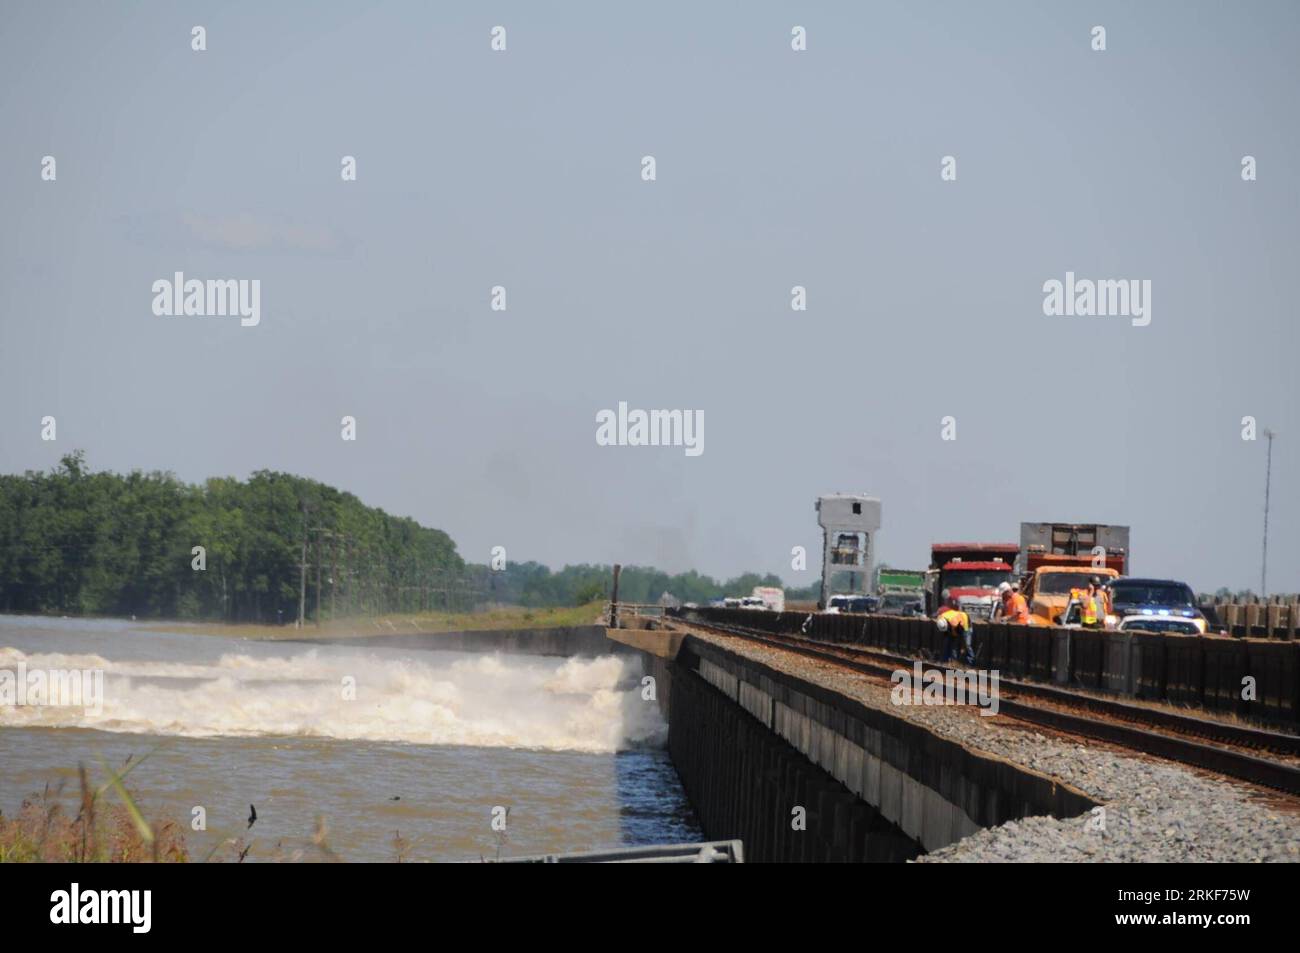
971	572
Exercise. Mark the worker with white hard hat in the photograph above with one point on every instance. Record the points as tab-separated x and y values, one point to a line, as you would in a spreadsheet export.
956	624
1003	603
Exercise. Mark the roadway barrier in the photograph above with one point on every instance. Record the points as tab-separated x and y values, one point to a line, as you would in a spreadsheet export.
1227	663
1120	666
1185	667
1254	678
993	648
1039	652
1061	661
1088	656
1151	651
1275	666
1017	653
1278	618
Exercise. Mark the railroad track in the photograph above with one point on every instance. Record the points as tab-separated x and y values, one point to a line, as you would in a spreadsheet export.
1214	746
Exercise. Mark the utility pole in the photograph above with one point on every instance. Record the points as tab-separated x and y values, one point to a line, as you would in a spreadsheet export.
302	577
352	577
1268	479
334	572
613	598
320	558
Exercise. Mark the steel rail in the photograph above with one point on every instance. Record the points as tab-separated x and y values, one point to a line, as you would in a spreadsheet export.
1227	761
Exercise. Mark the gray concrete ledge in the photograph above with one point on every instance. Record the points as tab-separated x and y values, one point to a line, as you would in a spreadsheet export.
935	790
577	640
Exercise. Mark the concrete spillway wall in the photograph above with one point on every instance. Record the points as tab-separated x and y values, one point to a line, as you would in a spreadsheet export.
753	744
574	640
747	782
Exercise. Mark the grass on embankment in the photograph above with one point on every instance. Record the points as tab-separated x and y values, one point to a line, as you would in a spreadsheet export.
103	823
508	617
100	831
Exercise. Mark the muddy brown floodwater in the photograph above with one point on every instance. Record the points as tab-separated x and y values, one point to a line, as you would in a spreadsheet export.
377	741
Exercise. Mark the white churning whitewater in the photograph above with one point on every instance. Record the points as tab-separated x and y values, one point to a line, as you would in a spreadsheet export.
515	701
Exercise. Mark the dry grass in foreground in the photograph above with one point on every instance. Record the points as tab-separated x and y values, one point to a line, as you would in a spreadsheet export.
44	832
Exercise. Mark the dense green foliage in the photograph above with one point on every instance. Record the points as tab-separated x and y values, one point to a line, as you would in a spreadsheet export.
85	543
532	584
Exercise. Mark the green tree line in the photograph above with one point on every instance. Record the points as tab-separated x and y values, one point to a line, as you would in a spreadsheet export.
83	543
78	542
533	584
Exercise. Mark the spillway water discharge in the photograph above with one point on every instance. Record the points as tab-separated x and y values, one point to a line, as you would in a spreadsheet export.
424	698
378	739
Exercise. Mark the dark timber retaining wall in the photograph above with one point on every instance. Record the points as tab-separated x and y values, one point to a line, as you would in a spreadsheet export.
1204	671
752	743
744	782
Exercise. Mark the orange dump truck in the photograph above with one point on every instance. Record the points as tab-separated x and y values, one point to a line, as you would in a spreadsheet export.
1056	558
1051	578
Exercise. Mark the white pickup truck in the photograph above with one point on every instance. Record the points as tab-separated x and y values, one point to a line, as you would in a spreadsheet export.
772	597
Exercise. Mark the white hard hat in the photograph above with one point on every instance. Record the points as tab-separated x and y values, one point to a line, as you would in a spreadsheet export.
1004	587
942	624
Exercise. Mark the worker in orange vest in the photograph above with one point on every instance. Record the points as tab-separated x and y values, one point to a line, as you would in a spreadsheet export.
957	626
1002	608
1014	607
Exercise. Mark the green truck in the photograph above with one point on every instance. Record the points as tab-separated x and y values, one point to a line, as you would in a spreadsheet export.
902	591
891	580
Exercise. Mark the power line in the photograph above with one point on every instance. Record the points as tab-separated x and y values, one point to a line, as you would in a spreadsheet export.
1268	479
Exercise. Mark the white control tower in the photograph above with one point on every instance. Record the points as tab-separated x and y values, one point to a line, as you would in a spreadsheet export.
849	523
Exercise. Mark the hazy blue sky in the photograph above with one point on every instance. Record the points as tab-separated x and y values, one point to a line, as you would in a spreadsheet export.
775	168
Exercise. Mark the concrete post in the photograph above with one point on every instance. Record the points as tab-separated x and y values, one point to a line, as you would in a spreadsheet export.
613	599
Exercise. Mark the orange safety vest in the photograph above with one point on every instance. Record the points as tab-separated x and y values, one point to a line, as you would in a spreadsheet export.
1019	611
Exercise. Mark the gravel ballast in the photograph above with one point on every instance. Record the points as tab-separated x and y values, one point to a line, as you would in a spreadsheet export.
1153	811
